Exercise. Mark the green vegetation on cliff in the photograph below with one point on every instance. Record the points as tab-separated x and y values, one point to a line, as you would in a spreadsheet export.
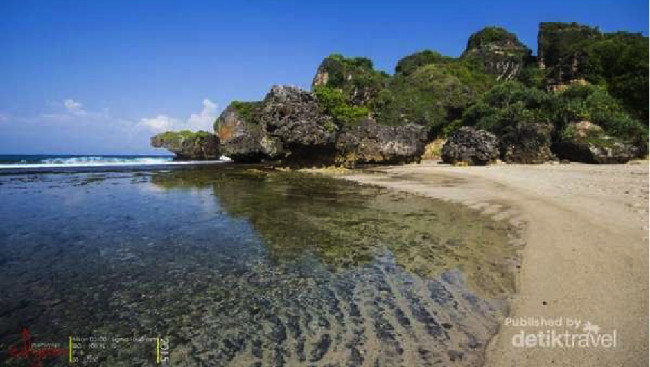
333	103
172	136
579	74
246	110
507	105
617	61
355	77
430	90
510	104
490	35
558	42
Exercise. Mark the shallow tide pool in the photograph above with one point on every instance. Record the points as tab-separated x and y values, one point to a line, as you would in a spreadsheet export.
245	266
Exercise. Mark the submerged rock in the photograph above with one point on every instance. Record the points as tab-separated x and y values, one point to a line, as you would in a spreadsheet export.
372	143
187	145
588	143
527	143
471	146
500	51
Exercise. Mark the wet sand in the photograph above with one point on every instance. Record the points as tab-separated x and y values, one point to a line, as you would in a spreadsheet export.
585	256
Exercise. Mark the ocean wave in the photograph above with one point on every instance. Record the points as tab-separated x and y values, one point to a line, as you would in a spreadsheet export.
100	161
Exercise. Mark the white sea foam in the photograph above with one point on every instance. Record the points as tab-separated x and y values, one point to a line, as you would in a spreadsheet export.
100	161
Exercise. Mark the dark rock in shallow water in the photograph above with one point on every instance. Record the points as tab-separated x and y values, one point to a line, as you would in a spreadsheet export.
372	143
588	143
527	143
188	145
470	146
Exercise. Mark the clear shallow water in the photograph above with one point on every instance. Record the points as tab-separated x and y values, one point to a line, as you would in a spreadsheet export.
245	267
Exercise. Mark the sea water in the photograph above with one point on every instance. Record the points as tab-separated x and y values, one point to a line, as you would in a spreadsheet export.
244	266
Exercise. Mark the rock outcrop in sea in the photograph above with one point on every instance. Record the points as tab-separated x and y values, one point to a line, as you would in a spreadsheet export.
187	145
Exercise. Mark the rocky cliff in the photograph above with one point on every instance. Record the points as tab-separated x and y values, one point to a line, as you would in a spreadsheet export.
522	107
286	125
291	125
354	76
187	145
560	51
499	51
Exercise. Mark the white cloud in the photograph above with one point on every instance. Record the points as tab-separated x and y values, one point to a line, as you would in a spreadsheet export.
197	121
159	123
204	119
74	108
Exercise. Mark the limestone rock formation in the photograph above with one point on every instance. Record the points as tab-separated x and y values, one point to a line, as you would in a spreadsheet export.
241	136
372	143
287	124
527	143
187	145
588	143
500	51
354	76
559	51
290	125
470	146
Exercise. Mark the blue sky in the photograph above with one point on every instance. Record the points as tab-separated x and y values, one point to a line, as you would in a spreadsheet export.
100	77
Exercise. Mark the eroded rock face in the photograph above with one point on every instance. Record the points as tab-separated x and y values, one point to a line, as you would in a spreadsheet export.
559	51
588	143
527	143
242	137
354	76
293	117
470	146
500	51
287	124
187	145
372	143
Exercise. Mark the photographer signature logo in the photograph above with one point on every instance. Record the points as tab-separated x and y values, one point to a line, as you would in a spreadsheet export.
34	357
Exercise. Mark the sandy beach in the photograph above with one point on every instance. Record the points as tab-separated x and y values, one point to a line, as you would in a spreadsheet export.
585	256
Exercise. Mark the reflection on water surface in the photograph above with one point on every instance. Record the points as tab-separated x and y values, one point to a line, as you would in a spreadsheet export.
245	267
